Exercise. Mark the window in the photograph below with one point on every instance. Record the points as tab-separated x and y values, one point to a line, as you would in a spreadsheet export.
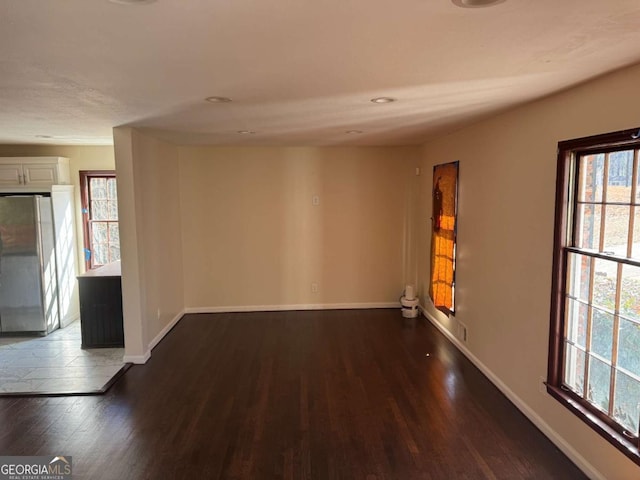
443	237
594	364
100	218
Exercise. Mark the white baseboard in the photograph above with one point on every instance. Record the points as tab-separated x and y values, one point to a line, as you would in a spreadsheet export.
139	359
279	308
165	330
543	426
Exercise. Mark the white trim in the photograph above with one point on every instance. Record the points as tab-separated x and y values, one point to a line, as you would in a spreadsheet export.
69	319
279	308
139	359
165	330
543	426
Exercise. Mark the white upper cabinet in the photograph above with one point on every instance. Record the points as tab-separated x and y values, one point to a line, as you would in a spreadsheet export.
10	174
33	174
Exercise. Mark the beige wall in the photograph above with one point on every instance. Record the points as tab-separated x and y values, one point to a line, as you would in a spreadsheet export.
80	158
505	239
150	238
252	237
157	174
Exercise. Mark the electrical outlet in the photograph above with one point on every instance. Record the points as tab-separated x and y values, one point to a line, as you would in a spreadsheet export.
159	314
462	332
314	287
315	200
542	385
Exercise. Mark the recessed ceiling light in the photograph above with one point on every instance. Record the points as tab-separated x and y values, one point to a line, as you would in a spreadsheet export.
43	136
476	3
246	132
353	132
383	100
132	2
218	99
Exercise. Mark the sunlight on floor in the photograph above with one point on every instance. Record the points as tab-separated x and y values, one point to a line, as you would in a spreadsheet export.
55	363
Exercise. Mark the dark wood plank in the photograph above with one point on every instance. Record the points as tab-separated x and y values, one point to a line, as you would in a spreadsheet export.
291	395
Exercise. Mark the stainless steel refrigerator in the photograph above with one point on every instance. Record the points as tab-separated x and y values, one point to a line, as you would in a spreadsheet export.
28	277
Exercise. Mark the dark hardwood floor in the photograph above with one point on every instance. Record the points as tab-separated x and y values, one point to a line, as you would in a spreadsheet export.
292	395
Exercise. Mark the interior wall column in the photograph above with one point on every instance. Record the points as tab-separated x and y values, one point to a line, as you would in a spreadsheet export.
131	251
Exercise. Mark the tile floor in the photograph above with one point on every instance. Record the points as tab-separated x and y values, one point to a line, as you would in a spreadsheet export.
55	364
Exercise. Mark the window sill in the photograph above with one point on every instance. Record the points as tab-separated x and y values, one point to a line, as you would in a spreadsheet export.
622	443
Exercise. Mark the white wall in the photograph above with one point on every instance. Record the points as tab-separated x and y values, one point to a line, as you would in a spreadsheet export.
252	237
505	240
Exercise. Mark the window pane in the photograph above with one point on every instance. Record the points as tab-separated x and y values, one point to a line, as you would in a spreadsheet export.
99	210
635	250
591	178
112	210
112	192
620	176
114	233
629	346
100	254
602	333
588	226
574	369
576	324
604	289
98	189
599	383
637	199
579	276
98	232
114	253
630	295
616	230
627	401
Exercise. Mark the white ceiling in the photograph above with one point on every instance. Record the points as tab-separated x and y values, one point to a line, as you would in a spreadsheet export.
300	72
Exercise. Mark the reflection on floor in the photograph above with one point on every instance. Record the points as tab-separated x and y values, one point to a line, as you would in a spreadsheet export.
55	364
